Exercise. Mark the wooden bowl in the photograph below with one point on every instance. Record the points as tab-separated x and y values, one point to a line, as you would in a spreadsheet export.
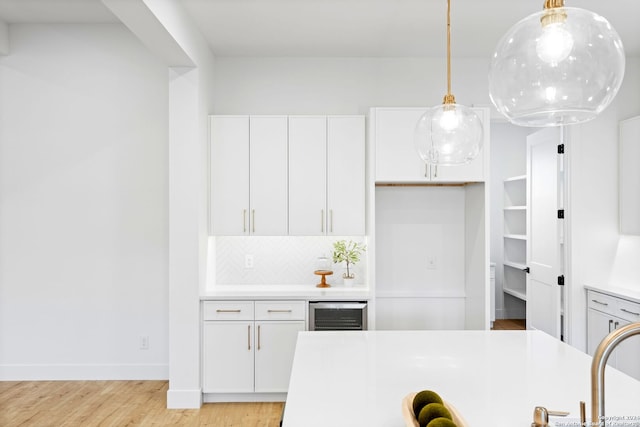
410	418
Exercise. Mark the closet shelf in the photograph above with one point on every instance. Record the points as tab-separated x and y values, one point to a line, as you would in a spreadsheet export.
515	293
515	236
516	265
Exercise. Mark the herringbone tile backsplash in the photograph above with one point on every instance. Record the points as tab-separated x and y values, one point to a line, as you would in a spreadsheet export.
286	260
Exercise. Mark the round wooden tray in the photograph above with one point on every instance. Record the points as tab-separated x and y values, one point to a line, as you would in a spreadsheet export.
410	419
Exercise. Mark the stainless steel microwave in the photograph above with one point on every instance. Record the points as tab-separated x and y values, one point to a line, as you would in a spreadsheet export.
337	316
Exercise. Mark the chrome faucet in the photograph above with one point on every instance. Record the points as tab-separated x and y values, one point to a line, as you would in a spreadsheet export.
600	357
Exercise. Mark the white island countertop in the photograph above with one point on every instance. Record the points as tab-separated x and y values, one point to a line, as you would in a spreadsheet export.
493	378
309	292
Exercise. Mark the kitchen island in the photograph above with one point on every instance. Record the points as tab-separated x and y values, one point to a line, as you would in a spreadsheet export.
492	378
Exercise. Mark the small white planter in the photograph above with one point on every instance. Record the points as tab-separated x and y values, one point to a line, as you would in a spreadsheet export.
348	281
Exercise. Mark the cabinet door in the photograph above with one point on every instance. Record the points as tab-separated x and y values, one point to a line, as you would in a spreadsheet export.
307	176
275	346
598	326
228	357
628	354
629	176
396	156
346	177
474	170
229	175
268	175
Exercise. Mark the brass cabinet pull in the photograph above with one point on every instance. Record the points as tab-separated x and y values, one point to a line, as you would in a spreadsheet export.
598	302
248	337
220	310
253	220
331	220
244	220
258	337
279	311
435	175
322	220
630	312
426	170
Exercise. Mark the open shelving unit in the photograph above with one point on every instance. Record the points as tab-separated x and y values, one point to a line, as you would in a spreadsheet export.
515	237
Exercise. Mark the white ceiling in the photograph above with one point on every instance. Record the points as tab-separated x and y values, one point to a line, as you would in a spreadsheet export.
353	28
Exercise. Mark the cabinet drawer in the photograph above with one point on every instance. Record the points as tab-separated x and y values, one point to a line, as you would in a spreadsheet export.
280	310
602	302
228	310
628	310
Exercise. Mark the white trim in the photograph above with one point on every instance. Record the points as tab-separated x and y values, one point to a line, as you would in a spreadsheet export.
82	372
244	397
419	294
184	399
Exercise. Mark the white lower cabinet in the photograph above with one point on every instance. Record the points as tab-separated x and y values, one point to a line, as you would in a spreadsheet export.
248	346
607	313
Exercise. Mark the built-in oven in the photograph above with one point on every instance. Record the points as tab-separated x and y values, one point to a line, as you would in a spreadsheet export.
337	316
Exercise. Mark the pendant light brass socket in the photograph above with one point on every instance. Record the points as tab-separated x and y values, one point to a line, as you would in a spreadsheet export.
552	4
449	99
553	16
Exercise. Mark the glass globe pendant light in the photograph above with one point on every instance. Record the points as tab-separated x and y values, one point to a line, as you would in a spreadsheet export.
556	67
448	134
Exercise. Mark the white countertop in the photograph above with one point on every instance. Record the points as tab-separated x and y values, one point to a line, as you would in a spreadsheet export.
617	291
310	292
493	378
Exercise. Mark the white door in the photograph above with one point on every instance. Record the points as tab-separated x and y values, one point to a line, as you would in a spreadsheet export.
268	175
308	176
346	175
275	346
543	232
227	353
229	175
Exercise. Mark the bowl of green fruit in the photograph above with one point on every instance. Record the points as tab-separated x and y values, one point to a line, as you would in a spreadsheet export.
427	409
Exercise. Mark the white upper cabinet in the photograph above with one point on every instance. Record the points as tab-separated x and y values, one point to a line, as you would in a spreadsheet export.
397	159
346	175
268	175
307	175
248	175
630	176
229	175
279	175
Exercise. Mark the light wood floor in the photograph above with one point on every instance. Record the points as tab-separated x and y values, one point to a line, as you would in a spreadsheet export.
509	324
118	403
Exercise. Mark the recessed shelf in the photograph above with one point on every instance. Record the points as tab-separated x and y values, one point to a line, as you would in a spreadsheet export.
515	208
515	236
516	265
516	178
515	293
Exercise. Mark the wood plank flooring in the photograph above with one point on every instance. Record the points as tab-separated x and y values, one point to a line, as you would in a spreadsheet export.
118	403
509	324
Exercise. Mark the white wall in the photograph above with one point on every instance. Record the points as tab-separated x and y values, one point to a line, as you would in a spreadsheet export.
343	85
83	205
593	201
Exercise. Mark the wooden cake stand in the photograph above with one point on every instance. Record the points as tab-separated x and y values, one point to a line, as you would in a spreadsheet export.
324	273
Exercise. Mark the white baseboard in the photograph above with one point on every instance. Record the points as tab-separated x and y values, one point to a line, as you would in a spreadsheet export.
69	372
245	397
184	399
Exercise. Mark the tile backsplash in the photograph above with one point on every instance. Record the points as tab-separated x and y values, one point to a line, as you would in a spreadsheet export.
277	260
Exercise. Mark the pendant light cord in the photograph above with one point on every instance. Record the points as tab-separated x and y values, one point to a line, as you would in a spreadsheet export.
449	98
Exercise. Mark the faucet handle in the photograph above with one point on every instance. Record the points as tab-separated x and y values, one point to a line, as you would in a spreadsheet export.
540	417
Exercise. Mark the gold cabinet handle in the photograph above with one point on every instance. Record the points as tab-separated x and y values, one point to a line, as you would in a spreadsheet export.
279	311
258	337
630	312
331	220
248	337
244	220
253	220
227	311
322	220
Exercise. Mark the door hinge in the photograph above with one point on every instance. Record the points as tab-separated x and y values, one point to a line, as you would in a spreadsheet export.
561	149
561	280
560	213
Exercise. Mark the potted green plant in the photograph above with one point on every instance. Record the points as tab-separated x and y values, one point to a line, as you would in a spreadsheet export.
347	252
